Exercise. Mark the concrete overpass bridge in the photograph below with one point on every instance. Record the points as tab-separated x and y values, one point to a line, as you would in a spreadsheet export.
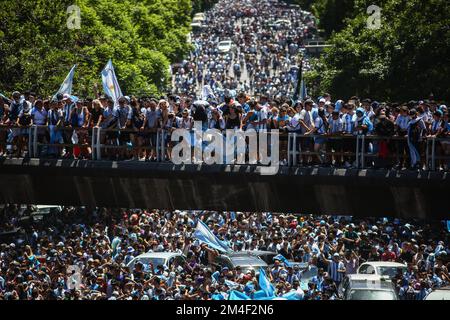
404	194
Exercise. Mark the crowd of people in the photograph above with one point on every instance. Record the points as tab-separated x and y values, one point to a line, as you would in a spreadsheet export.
253	85
100	242
328	127
267	45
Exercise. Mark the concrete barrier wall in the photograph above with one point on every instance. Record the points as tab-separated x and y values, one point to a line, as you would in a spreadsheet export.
236	188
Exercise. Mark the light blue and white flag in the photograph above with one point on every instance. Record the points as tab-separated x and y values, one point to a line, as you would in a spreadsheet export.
236	296
66	87
205	235
265	284
282	259
232	285
110	83
448	225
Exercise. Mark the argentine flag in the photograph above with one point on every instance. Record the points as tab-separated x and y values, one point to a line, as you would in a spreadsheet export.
66	87
265	284
110	84
204	235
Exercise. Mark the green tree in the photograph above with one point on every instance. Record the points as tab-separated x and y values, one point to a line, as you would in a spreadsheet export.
406	58
142	37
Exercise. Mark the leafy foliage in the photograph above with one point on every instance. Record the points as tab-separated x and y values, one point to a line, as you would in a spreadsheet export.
141	36
407	58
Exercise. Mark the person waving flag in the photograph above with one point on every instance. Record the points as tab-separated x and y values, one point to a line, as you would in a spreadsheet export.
205	235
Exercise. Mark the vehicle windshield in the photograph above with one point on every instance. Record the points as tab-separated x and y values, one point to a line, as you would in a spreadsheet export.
391	272
154	261
371	295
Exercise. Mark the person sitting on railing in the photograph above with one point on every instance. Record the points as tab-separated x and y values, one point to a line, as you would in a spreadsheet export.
39	116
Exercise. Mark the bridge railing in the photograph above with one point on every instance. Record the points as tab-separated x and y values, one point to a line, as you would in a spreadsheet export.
362	151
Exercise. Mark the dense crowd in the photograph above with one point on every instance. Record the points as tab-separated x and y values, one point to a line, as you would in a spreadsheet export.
251	85
65	126
267	44
100	242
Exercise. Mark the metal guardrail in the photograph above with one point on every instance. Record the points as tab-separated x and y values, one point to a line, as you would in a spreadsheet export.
361	154
295	151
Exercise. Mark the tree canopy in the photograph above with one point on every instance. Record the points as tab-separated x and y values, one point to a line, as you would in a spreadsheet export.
142	37
406	58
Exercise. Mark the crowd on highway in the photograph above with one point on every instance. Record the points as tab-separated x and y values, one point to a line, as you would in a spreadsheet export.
81	253
250	46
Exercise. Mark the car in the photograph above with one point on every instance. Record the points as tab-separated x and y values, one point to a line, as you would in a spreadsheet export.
165	259
439	294
382	268
246	262
366	287
199	15
266	256
225	46
197	26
